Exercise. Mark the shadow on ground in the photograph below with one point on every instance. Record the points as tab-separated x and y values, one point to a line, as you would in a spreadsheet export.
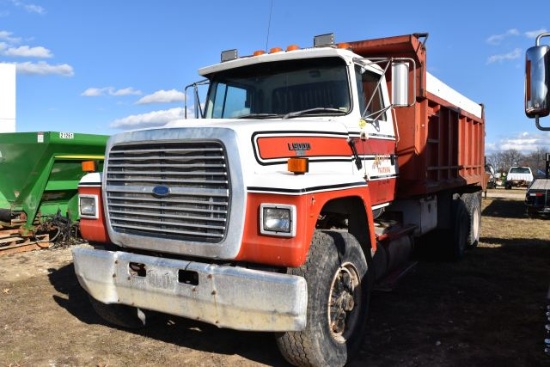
259	347
505	208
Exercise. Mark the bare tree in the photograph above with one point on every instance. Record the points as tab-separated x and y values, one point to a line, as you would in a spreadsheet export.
537	160
512	158
495	160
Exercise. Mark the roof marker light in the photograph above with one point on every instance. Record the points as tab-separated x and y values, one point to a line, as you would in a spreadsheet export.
323	40
275	50
343	45
259	52
292	48
229	55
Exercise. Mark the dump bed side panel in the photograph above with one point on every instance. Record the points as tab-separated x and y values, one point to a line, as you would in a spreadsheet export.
441	137
441	147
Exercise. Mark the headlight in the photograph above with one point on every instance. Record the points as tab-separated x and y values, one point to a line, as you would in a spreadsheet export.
88	206
278	220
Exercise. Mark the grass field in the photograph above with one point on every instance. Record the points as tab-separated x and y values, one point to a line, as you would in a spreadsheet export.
486	310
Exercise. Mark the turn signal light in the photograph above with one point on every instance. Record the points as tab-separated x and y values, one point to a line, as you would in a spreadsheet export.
298	166
89	166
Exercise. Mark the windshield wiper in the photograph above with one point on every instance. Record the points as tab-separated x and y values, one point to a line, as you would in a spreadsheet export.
259	116
314	111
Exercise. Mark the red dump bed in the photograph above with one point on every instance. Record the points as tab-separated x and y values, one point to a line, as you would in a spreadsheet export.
441	137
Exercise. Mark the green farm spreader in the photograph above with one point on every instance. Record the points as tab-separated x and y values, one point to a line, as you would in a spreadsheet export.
39	175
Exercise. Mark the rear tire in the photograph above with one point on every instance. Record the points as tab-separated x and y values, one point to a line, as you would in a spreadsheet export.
460	231
336	272
124	316
472	201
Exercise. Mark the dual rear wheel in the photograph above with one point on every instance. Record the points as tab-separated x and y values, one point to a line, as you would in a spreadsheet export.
466	224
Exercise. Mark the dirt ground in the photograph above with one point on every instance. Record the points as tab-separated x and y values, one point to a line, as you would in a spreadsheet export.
487	310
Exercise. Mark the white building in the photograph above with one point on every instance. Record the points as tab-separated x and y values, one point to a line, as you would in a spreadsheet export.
7	98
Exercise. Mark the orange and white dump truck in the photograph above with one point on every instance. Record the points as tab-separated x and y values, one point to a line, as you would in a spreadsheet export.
308	179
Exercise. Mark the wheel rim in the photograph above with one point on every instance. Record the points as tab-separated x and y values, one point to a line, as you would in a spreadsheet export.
344	302
476	215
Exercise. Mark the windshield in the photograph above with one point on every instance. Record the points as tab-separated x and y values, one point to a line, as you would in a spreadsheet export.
520	170
286	89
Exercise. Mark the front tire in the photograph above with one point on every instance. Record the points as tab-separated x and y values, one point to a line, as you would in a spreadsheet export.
336	272
123	316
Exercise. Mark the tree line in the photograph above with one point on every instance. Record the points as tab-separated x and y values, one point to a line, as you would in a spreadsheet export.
503	160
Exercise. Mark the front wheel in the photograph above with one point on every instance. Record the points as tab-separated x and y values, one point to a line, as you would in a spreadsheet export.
124	316
336	272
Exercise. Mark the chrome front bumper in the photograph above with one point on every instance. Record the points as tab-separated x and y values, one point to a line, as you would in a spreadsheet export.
226	296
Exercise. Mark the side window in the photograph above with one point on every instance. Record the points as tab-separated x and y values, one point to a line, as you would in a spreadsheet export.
230	101
371	101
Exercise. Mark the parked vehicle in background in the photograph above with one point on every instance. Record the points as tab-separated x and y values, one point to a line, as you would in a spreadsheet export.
303	186
39	179
537	105
537	198
491	178
518	177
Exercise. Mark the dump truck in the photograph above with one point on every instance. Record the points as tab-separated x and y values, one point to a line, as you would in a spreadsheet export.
537	105
308	179
39	177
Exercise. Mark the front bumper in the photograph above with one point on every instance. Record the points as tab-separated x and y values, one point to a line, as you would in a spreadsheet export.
226	296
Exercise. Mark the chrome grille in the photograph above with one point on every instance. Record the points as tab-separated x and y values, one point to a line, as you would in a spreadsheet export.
194	178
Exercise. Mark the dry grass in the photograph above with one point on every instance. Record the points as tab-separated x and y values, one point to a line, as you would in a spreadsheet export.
506	218
486	310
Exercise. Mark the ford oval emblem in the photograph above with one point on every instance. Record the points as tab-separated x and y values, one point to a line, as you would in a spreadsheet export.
161	191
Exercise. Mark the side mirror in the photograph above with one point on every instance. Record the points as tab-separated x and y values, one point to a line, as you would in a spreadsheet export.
537	81
401	91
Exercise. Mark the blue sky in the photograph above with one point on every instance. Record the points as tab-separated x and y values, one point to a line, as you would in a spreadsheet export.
105	66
